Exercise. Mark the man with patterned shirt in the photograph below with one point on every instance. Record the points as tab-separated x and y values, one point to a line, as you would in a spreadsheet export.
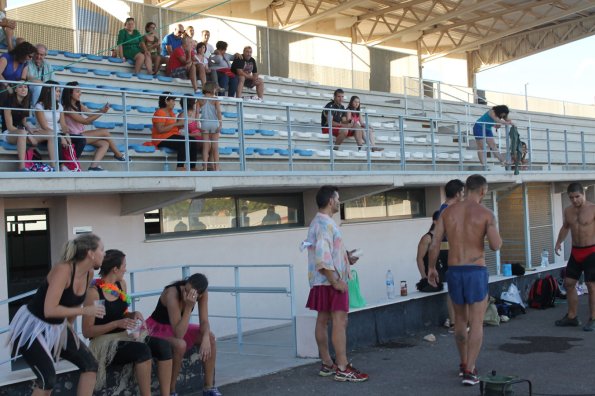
328	271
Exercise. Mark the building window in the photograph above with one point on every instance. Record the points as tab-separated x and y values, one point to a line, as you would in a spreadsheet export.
213	215
400	204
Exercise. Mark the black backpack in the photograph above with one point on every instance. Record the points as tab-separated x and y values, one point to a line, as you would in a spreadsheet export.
543	293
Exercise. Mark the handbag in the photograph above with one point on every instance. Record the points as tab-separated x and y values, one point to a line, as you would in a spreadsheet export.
70	160
227	71
356	300
33	161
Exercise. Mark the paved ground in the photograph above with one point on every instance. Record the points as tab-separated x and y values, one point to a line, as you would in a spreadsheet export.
559	361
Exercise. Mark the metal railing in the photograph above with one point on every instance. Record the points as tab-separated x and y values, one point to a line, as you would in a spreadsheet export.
410	142
236	290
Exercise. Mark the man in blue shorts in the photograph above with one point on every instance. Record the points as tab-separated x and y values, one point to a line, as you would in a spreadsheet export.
467	224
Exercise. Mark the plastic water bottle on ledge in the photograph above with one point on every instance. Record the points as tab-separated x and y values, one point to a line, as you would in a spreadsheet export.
390	285
545	258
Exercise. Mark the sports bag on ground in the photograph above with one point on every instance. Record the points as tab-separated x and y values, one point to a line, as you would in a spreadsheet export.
543	293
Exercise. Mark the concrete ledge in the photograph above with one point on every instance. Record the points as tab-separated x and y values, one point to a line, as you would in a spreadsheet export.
189	381
391	319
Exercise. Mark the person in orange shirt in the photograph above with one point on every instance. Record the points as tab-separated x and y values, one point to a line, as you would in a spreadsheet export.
166	132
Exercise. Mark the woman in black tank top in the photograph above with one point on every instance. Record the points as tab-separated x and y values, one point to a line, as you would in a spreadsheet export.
424	246
171	321
45	324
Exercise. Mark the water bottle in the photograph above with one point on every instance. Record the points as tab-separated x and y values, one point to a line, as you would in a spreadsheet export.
390	285
545	258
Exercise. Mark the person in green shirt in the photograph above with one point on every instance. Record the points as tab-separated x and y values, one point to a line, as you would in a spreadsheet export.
129	47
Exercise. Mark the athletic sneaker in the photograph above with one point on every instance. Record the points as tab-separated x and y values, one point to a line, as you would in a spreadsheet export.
350	374
327	370
470	378
462	368
590	326
211	392
566	321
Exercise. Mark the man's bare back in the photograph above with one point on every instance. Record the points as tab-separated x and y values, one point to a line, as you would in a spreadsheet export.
467	224
581	222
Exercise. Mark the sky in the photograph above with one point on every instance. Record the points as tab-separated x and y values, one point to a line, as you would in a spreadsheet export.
564	73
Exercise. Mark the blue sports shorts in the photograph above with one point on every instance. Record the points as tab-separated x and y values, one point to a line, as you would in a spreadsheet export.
478	131
467	284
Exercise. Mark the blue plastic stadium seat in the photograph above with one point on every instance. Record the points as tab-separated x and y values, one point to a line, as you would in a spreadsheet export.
229	114
89	149
79	70
145	109
57	68
148	126
153	91
95	58
249	132
146	77
264	151
225	150
135	127
121	147
72	55
249	150
102	124
139	148
32	120
235	150
3	46
115	60
53	52
99	72
8	146
167	150
119	107
164	78
107	87
130	61
265	132
303	153
228	131
87	86
123	75
283	152
93	105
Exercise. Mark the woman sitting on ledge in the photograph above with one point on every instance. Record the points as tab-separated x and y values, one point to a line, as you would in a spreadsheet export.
117	338
171	321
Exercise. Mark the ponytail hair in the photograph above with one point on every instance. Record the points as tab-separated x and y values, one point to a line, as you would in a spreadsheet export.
76	250
199	282
113	259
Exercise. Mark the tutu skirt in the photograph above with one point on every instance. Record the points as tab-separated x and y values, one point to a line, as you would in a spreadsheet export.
327	299
161	330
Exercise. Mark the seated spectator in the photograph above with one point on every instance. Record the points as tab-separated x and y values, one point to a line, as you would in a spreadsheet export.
77	116
171	320
271	217
338	125
211	122
172	41
14	65
129	47
202	64
44	115
244	67
221	62
39	70
7	31
190	33
180	64
150	46
17	107
118	338
358	126
166	132
205	40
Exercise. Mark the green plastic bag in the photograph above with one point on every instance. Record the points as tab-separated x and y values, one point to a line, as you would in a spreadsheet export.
356	300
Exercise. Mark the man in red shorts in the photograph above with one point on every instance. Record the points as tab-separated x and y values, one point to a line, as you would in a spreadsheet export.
328	271
338	125
579	219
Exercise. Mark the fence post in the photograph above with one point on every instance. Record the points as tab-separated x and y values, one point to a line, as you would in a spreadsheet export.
132	290
293	309
549	154
368	145
460	146
484	153
329	122
529	147
236	276
432	133
125	119
186	133
402	141
583	149
289	143
56	138
242	152
566	147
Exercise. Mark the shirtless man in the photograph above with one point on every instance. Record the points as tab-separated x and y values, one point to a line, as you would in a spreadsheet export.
579	219
467	224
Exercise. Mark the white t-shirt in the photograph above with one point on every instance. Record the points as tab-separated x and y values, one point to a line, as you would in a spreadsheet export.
49	119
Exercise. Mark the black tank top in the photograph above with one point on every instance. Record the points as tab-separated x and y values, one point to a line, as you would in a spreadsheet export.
69	299
160	314
114	310
426	257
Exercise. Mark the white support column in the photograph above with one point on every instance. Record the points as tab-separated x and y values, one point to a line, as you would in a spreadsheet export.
495	206
526	224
